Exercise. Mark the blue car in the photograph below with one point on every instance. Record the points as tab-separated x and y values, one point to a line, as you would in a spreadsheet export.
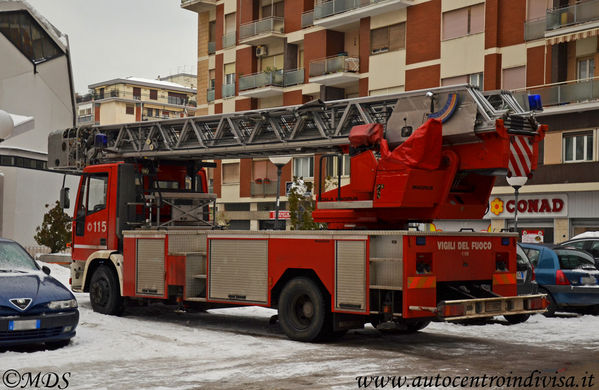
568	277
34	307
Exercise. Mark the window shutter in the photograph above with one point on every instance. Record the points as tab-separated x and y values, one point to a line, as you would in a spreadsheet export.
379	39
397	37
455	23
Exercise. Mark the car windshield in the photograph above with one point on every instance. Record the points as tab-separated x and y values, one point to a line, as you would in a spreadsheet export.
14	258
575	260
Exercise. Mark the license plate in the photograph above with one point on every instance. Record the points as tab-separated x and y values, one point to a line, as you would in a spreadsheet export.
588	280
24	325
521	275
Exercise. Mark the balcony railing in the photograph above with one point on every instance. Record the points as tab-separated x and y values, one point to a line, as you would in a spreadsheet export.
228	90
263	189
579	91
574	14
307	18
293	77
211	47
271	24
229	39
334	64
210	95
277	78
534	29
333	7
260	80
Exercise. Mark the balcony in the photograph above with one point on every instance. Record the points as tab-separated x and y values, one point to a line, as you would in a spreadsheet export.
198	5
307	18
569	92
263	31
565	19
211	47
228	90
534	29
335	13
263	187
335	71
210	95
267	84
229	39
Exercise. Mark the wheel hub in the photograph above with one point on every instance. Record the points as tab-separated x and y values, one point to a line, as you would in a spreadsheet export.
308	309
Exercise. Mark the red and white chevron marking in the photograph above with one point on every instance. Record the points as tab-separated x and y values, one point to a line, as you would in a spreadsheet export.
521	156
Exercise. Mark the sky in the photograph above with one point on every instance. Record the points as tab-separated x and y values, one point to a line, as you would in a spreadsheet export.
120	38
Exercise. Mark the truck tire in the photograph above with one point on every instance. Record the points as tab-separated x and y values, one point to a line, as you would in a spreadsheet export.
303	313
517	318
104	292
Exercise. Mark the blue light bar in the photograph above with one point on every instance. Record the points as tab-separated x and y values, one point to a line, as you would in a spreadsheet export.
505	241
420	240
100	140
534	102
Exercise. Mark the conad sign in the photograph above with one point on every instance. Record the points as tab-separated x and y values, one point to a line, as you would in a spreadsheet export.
549	206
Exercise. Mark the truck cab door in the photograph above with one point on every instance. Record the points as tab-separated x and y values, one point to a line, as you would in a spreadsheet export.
90	225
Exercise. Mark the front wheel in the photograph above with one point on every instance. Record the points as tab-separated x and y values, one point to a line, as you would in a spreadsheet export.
104	292
303	311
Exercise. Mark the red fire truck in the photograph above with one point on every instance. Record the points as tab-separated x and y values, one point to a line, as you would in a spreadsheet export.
143	225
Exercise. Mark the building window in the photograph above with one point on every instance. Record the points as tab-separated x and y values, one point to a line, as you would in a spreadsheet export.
389	38
303	167
463	21
231	173
129	109
177	98
28	37
153	94
229	71
276	9
136	93
578	146
586	68
475	79
514	78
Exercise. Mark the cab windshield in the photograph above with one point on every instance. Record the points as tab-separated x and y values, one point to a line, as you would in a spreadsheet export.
13	258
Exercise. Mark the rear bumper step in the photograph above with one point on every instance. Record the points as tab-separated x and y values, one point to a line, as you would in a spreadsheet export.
490	307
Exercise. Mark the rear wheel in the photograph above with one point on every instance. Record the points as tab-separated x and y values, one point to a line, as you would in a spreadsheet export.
517	318
303	312
104	292
552	308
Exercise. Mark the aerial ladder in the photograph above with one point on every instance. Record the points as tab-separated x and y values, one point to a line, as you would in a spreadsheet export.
142	227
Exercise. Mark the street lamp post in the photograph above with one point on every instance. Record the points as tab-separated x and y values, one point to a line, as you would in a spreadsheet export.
516	182
279	162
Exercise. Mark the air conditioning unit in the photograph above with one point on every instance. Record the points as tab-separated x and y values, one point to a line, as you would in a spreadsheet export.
261	51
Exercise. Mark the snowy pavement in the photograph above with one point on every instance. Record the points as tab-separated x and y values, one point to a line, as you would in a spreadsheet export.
155	348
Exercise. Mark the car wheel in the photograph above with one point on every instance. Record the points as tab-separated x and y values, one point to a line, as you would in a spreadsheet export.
303	313
104	292
517	318
552	308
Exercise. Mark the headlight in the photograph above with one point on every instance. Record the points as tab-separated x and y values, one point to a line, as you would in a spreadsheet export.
59	305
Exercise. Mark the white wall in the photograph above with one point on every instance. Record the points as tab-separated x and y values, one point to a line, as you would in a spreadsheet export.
24	195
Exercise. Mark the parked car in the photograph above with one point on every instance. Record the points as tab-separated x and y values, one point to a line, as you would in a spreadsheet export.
568	277
588	241
34	307
525	277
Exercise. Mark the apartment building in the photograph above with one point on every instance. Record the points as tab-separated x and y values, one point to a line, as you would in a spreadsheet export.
262	53
135	99
185	79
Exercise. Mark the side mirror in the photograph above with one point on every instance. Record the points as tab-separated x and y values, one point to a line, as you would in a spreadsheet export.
64	200
46	270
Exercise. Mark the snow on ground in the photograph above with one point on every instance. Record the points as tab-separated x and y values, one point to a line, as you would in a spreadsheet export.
152	347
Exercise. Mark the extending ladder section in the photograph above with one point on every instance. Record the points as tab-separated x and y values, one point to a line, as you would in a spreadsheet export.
314	127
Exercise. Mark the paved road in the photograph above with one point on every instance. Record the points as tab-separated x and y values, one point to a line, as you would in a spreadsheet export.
240	349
